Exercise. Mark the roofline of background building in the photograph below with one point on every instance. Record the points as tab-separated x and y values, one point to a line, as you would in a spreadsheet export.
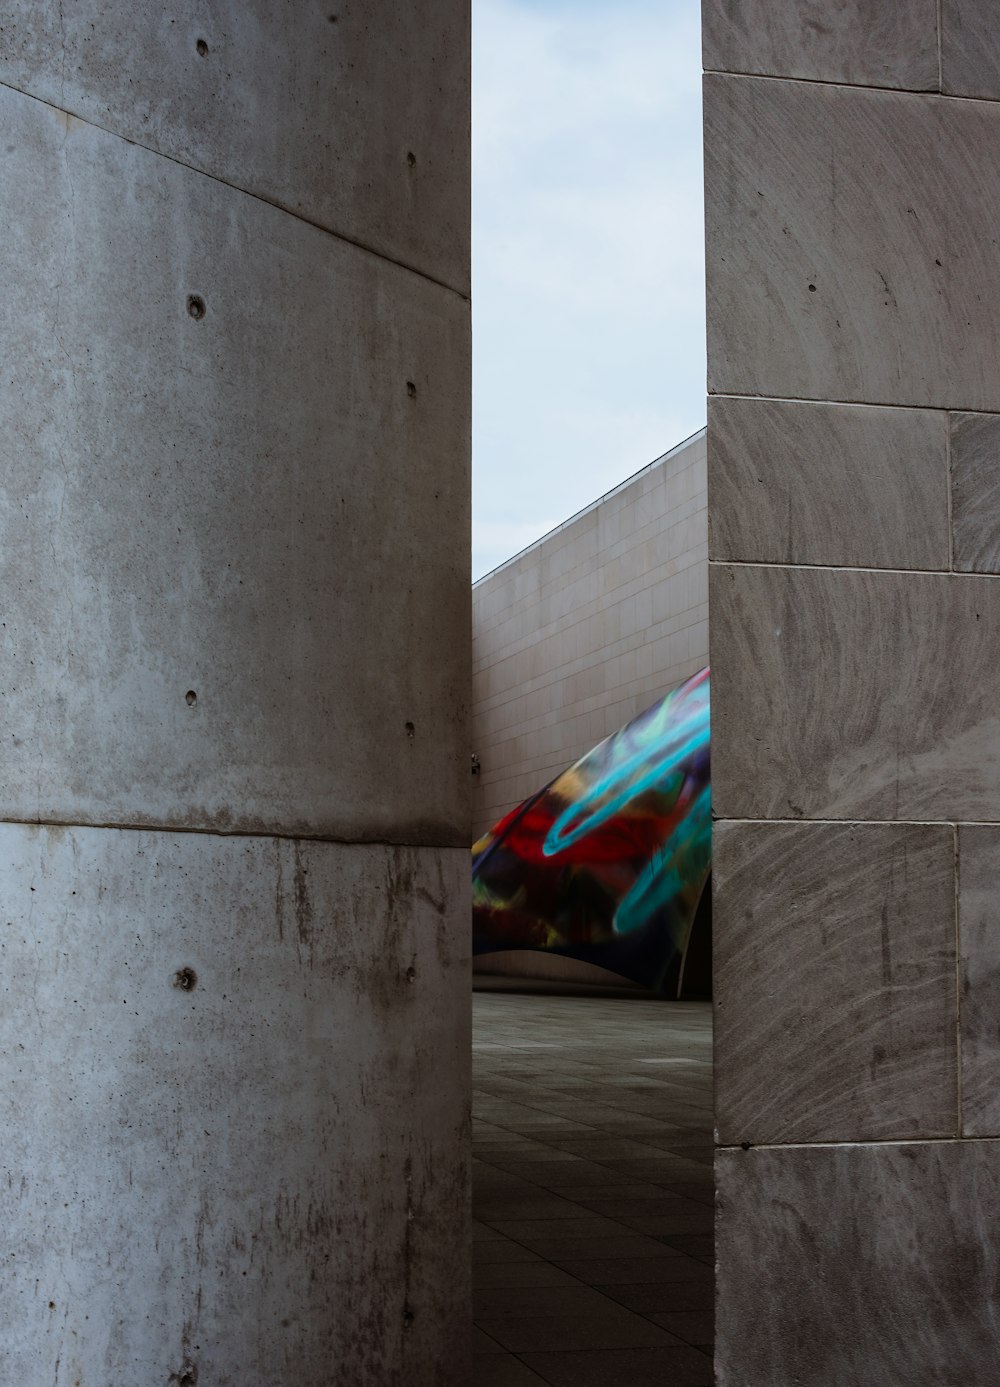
698	433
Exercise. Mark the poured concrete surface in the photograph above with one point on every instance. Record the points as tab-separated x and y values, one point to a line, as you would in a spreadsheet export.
255	1052
592	1192
234	689
354	117
221	533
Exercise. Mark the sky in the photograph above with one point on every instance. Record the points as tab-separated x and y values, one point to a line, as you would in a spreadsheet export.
587	254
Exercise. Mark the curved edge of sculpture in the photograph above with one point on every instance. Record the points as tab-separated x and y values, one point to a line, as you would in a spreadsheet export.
610	862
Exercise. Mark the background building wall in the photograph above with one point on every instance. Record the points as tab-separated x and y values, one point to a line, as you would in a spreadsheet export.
854	489
585	629
234	510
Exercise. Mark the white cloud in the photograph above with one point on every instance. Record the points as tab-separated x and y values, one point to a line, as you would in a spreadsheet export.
587	253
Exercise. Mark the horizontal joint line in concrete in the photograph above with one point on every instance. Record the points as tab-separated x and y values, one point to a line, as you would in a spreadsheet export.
236	187
113	826
846	404
850	86
850	568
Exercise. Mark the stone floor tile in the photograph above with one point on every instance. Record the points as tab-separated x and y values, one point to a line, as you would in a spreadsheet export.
620	1148
691	1295
624	1208
527	1150
569	1171
659	1367
631	1271
676	1221
560	1250
534	1206
523	1301
695	1244
632	1190
667	1169
693	1326
520	1274
703	1191
483	1233
501	1250
483	1343
593	1237
614	1327
504	1370
667	1296
532	1230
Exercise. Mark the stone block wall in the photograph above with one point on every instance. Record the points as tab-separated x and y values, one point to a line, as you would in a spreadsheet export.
583	630
854	504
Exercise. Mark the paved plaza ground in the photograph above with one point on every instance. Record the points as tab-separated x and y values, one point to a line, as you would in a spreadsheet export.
593	1192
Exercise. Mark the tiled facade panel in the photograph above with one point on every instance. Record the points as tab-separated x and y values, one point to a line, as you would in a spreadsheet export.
866	42
975	491
854	244
970	49
588	627
835	1004
854	497
858	1266
854	694
883	501
979	946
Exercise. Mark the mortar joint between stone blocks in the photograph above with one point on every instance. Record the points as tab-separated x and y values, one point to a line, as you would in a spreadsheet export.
958	982
951	503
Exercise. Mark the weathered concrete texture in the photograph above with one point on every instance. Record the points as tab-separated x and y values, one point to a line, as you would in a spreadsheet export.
588	627
975	491
858	1266
856	41
835	999
846	695
979	936
235	1111
876	280
970	48
827	484
223	533
360	122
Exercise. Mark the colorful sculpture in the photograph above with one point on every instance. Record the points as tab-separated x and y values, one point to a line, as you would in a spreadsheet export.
610	862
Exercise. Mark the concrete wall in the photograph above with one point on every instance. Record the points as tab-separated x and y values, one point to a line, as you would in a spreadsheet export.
586	628
234	694
854	484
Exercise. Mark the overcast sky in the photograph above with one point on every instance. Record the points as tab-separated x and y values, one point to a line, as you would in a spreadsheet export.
588	267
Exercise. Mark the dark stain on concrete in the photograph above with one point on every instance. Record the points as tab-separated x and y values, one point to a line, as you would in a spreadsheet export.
303	904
